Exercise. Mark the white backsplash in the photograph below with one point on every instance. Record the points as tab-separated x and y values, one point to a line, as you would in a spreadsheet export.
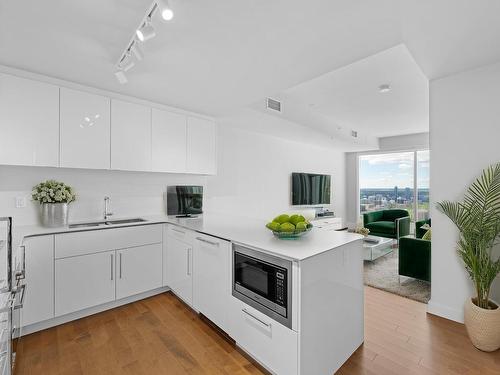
131	193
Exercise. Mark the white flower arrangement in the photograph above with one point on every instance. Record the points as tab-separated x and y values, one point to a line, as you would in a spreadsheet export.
52	191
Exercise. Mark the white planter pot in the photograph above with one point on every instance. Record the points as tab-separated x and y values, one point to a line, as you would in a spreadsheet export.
54	214
483	326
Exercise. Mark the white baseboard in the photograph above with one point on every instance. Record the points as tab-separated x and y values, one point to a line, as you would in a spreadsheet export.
445	311
90	311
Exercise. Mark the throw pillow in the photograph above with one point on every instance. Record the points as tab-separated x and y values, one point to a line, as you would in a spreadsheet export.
427	235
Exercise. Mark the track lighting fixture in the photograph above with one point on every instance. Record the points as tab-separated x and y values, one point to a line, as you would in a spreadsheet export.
120	76
127	62
136	50
165	10
147	31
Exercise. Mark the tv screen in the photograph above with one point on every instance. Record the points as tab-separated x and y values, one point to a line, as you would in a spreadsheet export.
184	200
310	189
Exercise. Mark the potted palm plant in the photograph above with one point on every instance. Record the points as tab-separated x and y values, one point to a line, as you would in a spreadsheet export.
477	218
54	197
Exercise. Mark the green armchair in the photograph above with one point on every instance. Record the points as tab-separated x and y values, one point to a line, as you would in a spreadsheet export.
415	254
387	223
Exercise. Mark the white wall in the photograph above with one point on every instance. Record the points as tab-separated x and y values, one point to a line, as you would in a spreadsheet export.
254	168
417	141
464	138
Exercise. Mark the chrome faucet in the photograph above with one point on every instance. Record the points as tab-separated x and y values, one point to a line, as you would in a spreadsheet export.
107	214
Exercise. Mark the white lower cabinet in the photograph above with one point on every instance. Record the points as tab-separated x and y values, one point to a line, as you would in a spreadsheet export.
39	261
180	268
139	269
84	281
211	282
270	343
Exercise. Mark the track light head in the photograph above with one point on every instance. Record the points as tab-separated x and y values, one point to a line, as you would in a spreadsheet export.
165	10
127	62
146	32
136	50
120	76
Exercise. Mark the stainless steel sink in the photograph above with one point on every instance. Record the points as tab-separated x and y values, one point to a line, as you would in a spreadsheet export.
87	225
124	221
108	222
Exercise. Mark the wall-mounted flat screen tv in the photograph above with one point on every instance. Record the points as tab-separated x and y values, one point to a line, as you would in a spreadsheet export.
310	189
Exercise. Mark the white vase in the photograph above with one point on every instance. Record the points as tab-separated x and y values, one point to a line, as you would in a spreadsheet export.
54	214
483	326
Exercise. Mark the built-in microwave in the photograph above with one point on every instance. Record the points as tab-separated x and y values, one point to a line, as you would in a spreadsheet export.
264	282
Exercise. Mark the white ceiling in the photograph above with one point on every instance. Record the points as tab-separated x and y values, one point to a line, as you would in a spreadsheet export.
349	98
219	55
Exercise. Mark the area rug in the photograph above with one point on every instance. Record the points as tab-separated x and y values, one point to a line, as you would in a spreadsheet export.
382	274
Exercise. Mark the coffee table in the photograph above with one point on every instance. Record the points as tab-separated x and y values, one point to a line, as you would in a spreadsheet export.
375	250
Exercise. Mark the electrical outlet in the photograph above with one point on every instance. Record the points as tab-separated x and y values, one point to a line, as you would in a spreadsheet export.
20	202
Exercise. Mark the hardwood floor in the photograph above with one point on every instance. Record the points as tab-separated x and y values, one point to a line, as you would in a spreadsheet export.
160	335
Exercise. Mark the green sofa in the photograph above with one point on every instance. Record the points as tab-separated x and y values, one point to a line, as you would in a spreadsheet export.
393	223
415	254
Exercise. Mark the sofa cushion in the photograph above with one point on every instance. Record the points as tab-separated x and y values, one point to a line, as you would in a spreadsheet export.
386	227
393	214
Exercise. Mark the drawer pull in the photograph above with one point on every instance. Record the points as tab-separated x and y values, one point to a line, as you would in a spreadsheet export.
178	231
268	325
120	265
112	267
207	241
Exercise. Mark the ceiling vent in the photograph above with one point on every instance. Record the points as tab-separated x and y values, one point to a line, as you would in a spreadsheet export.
274	105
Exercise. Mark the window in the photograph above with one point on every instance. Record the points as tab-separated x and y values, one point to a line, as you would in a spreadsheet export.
395	180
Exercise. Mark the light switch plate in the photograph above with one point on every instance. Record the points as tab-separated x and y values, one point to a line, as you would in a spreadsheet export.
20	202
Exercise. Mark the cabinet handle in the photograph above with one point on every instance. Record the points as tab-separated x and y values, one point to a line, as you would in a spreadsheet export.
178	231
112	267
120	265
207	241
189	261
22	273
268	325
16	290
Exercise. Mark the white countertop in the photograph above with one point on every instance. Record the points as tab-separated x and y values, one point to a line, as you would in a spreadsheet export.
244	231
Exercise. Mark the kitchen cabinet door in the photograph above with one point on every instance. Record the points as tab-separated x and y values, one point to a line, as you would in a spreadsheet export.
168	141
130	136
85	130
84	281
201	146
211	278
139	269
29	122
180	269
39	263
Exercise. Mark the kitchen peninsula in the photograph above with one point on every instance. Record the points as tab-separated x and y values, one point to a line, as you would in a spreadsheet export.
304	317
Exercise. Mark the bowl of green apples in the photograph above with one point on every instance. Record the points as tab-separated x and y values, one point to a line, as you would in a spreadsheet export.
289	227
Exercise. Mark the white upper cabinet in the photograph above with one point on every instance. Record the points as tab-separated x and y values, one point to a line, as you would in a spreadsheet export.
29	122
201	146
130	136
168	141
85	130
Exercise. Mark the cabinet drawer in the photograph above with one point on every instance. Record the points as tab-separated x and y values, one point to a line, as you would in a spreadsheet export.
179	233
269	342
79	243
